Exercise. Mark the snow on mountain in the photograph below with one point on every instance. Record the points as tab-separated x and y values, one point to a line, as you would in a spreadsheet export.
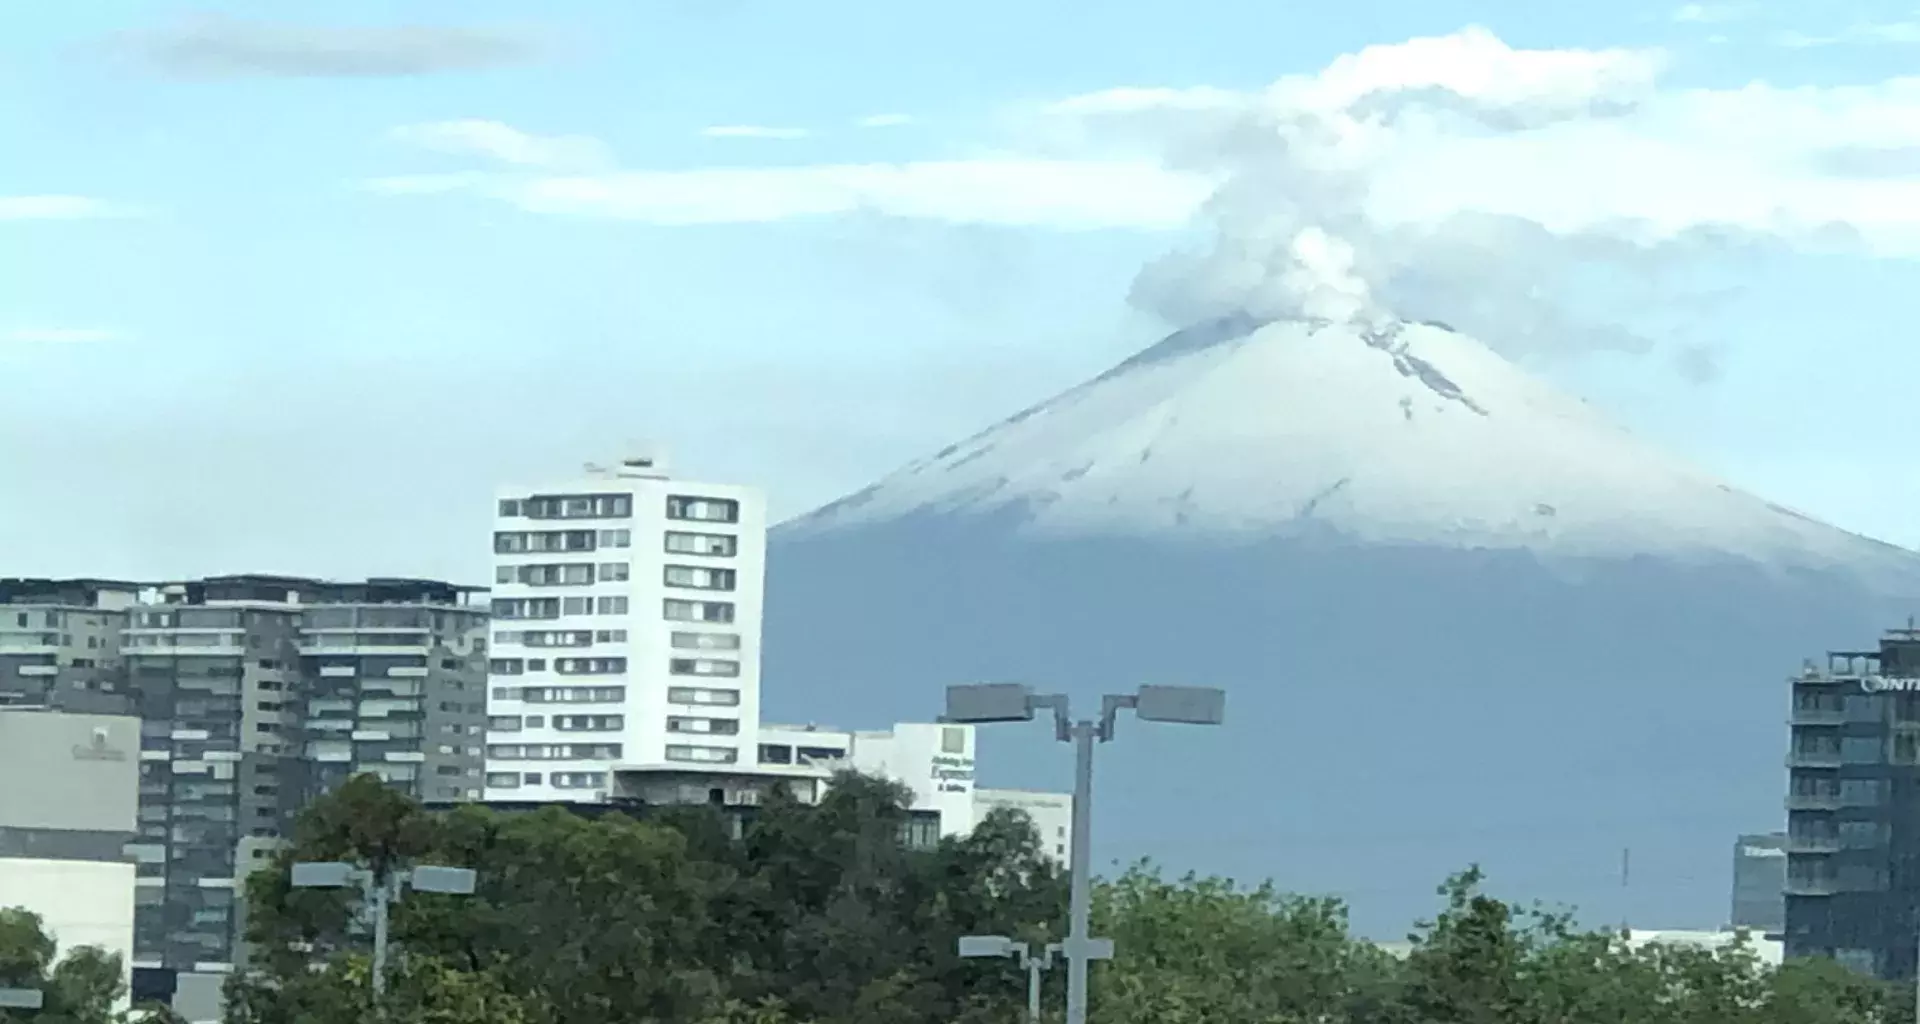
1408	433
1462	619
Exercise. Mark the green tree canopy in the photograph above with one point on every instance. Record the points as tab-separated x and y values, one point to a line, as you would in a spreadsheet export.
85	986
825	915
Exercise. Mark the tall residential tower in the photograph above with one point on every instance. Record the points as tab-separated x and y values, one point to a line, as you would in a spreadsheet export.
626	629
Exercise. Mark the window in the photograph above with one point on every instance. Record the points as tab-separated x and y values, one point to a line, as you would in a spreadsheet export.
555	574
574	694
719	545
578	506
953	740
615	572
613	605
706	641
553	752
698	611
589	666
616	538
776	753
526	607
509	508
698	577
557	638
579	780
1860	792
709	726
609	636
705	510
506	666
703	695
589	723
703	667
1861	750
503	723
708	755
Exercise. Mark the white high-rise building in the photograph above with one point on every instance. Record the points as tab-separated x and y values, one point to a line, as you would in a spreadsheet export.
626	630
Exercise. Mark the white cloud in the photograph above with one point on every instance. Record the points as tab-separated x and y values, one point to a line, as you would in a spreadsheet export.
1453	177
885	121
1005	191
504	144
57	335
55	207
1885	33
752	131
1709	14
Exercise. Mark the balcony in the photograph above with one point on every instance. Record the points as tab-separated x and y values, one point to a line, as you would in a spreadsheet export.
1830	801
1811	887
1819	716
1813	844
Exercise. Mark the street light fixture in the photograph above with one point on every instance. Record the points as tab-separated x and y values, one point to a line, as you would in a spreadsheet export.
991	703
1034	965
381	895
22	999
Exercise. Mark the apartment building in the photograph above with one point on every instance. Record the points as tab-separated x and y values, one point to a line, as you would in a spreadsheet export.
1759	883
255	694
626	629
1853	820
60	643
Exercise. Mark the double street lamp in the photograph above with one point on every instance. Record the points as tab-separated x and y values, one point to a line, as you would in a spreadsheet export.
988	703
1033	964
380	895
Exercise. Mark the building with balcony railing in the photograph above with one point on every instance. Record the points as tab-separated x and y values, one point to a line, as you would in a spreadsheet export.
1853	808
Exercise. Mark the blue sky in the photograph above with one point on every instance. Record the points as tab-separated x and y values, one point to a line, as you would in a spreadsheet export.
258	351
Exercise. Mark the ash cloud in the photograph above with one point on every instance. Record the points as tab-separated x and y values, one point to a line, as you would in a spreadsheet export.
1294	230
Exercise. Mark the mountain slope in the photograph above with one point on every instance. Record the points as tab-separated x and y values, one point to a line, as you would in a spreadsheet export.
1406	434
1461	619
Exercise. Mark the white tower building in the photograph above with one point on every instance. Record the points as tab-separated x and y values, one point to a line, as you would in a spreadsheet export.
626	629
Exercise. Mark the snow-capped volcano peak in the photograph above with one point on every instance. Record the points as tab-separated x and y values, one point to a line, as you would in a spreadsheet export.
1403	433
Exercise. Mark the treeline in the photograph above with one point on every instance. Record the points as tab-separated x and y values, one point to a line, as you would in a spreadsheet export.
821	915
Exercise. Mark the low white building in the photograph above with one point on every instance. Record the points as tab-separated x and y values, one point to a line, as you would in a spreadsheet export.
64	837
934	762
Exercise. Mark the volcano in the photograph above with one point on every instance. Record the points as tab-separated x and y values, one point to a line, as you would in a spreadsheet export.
1463	619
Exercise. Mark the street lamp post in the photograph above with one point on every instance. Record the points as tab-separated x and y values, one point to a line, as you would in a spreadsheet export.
989	703
380	894
1033	964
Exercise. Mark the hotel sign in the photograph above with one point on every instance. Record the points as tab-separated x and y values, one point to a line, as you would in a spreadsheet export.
952	774
97	749
1882	684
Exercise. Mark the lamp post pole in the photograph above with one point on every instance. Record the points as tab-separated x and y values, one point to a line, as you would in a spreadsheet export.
379	895
1015	702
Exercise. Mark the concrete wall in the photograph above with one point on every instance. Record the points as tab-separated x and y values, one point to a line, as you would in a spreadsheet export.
82	903
83	771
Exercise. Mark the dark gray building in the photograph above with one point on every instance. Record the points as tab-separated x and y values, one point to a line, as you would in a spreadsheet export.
1853	802
1760	883
257	693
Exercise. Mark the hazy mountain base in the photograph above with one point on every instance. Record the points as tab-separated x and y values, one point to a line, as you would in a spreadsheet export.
1394	712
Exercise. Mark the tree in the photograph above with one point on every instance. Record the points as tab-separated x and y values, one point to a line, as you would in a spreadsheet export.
83	987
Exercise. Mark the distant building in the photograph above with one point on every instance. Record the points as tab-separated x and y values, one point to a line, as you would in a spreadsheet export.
257	693
1767	951
1760	883
1853	823
934	762
60	643
64	834
626	630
